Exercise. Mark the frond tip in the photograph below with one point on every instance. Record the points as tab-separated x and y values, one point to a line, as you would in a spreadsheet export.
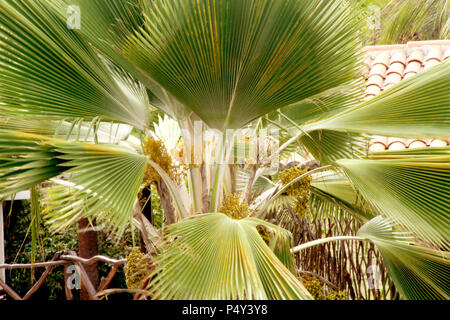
418	273
410	189
213	256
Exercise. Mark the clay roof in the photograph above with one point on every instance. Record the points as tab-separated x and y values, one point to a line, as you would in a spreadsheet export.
390	64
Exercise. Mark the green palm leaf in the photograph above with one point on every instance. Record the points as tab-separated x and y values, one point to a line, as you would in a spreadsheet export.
65	203
412	190
233	61
213	256
415	108
418	273
25	160
70	129
112	175
324	104
54	72
107	24
332	192
327	146
334	183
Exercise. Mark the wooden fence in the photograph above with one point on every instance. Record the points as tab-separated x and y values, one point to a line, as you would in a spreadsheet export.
67	260
354	266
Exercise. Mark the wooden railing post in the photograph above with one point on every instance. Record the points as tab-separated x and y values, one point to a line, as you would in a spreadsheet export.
87	245
66	260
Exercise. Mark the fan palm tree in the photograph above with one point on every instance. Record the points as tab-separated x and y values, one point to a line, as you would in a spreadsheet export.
220	65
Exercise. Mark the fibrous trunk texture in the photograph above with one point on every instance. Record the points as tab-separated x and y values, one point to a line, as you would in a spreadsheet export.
87	244
166	203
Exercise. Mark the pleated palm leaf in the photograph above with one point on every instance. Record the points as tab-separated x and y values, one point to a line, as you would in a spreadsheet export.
209	64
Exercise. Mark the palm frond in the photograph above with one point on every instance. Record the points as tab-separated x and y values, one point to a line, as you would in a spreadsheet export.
112	174
213	256
418	273
415	108
65	203
327	146
55	72
262	184
245	58
333	182
332	194
107	25
25	160
412	190
68	129
168	131
324	104
323	206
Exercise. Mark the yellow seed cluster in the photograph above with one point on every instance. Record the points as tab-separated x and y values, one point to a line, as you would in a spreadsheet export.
301	190
157	152
316	288
337	295
137	269
233	207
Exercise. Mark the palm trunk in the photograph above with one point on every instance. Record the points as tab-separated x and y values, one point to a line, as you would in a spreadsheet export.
166	203
87	246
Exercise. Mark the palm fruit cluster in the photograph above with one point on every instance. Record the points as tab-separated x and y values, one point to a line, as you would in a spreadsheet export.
157	152
137	269
300	190
337	295
232	207
317	290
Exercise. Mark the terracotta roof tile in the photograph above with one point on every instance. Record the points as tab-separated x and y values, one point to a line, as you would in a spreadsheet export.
417	144
393	78
378	69
398	57
397	145
409	75
375	80
396	67
373	90
416	56
379	139
431	63
414	67
438	143
388	65
382	58
377	147
434	53
447	54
